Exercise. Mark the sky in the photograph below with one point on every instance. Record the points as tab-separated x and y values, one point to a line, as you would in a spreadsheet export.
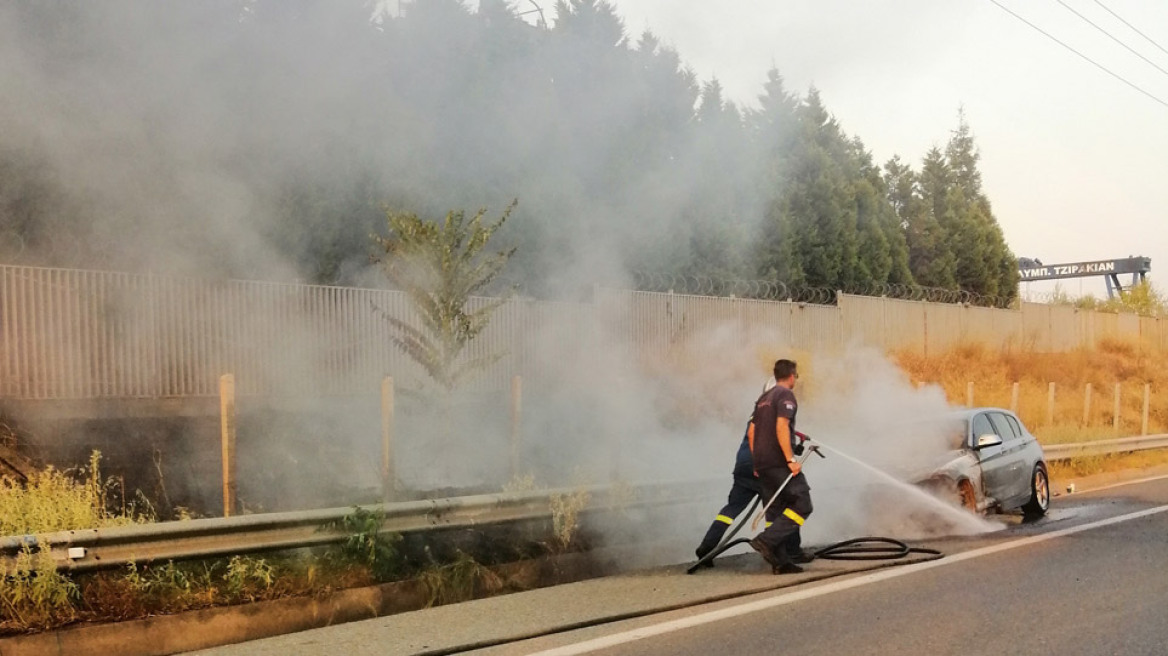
1074	161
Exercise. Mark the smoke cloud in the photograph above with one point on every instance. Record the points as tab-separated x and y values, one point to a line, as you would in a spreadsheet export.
261	139
255	138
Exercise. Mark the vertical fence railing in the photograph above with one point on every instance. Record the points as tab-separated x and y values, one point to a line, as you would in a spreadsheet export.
91	334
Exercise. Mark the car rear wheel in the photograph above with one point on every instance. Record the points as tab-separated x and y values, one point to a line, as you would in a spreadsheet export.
1039	492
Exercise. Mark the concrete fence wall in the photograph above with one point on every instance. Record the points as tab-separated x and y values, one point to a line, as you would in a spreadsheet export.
70	334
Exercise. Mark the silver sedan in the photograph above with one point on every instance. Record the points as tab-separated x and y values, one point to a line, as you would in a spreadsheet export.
997	465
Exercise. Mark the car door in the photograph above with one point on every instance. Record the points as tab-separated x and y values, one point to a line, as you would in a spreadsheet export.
1016	474
994	465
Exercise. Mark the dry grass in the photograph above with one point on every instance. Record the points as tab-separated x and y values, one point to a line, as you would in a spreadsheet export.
520	483
993	372
566	509
461	580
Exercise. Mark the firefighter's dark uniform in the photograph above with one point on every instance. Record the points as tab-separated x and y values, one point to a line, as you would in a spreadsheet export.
744	490
787	514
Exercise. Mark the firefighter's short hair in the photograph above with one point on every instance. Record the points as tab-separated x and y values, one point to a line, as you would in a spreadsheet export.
784	369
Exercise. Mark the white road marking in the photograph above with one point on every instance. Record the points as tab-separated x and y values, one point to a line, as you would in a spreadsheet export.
809	593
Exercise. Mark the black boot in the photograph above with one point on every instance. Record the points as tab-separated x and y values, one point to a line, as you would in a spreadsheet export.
767	555
801	557
701	553
786	568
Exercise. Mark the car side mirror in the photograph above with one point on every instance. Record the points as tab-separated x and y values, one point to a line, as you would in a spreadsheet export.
988	440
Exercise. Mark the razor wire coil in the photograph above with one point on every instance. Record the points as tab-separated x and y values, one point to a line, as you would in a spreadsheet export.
775	290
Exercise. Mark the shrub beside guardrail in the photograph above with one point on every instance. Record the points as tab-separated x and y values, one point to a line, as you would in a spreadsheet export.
105	548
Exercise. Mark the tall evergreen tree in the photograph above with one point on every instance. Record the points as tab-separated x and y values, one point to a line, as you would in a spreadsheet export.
988	266
929	258
774	132
888	222
922	201
965	226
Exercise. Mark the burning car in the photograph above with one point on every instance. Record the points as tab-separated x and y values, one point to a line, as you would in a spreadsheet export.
996	464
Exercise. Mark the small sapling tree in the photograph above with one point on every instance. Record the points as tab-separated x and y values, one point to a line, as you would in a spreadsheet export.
440	266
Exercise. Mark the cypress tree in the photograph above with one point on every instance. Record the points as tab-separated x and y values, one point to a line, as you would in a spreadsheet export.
986	264
913	197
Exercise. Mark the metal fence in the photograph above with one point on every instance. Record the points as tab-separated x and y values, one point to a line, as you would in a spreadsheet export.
71	334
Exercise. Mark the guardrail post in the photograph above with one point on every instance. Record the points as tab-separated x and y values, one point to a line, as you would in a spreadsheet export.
388	469
1050	404
516	420
1014	397
969	394
1087	406
1147	403
227	434
1118	409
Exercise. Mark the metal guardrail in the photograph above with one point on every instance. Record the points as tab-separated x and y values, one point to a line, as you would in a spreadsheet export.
105	548
1105	447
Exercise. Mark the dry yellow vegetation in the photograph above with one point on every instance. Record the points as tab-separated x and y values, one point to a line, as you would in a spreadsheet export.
1131	365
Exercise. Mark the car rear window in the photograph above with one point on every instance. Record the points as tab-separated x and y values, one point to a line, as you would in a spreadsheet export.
1003	427
1015	425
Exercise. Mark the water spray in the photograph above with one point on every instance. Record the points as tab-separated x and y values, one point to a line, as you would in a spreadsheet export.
966	523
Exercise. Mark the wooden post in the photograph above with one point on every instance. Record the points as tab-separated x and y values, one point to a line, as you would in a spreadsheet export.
1014	398
1087	406
969	394
516	420
1118	409
1147	403
1050	405
388	470
227	433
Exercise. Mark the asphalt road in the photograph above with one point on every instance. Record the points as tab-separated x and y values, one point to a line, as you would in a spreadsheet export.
1053	587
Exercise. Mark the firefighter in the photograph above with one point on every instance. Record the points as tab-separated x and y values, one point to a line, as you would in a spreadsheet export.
743	491
773	455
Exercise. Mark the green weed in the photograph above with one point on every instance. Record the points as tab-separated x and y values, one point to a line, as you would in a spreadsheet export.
247	579
33	594
52	500
367	545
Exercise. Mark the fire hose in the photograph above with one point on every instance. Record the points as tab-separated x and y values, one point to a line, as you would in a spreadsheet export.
865	548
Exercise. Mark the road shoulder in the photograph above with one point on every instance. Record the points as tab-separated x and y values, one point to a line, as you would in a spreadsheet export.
524	615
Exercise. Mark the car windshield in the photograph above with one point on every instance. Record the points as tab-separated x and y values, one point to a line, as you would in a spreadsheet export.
952	429
958	433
